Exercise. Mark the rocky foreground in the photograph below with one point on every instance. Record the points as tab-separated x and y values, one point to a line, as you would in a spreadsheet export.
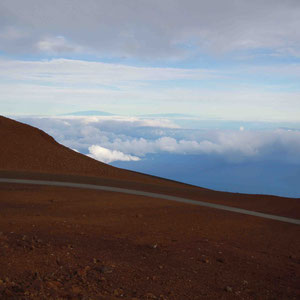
59	243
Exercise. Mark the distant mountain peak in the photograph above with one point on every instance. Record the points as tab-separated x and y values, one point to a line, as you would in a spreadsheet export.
168	115
89	113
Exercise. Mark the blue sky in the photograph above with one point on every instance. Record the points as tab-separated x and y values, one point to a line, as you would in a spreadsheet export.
231	60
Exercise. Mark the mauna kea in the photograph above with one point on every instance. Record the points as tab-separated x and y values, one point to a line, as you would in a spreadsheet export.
77	243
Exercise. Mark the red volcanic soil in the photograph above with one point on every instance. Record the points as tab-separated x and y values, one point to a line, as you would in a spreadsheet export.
63	243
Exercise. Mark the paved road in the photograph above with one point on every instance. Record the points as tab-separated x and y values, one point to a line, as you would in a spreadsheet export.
152	195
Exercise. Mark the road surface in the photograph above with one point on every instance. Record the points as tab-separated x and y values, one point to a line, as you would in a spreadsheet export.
152	195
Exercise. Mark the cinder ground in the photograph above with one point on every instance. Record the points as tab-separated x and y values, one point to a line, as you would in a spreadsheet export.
72	244
60	243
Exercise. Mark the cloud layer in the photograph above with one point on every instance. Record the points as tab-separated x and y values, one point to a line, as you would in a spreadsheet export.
172	29
119	138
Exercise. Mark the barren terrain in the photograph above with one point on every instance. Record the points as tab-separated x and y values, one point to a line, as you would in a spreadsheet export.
63	243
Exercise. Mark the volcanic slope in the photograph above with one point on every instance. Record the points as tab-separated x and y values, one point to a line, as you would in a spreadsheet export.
66	243
26	148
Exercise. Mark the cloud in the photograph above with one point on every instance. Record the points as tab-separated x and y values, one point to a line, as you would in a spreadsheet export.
107	156
57	45
155	28
114	138
126	121
231	145
82	132
80	72
58	84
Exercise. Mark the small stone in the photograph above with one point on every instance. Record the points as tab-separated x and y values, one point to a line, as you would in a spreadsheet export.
55	285
118	292
104	269
220	260
205	260
228	288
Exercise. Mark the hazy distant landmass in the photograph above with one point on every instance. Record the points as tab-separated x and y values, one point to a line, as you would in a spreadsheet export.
170	115
89	113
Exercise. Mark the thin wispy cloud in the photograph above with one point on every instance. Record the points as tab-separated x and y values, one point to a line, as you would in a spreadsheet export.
79	72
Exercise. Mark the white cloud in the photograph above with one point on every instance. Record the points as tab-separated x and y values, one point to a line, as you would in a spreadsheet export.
124	121
231	144
107	156
80	72
57	45
111	138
